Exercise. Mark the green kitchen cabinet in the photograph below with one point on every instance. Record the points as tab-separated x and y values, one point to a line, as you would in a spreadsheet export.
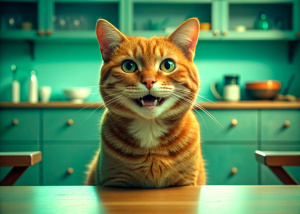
67	125
149	18
22	19
67	164
31	176
230	164
229	140
19	125
160	18
77	18
228	125
70	139
267	177
282	18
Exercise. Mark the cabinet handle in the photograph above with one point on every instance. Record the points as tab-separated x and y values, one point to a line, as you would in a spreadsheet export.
41	32
287	123
48	32
224	32
70	170
216	32
234	122
70	122
15	122
234	170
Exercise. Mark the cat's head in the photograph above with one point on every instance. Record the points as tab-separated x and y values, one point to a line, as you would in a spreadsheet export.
148	78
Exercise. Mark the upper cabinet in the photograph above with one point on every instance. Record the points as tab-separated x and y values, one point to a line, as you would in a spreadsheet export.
220	19
77	19
56	19
21	19
160	18
259	19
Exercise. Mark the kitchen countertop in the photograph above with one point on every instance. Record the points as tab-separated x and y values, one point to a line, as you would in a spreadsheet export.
207	105
188	199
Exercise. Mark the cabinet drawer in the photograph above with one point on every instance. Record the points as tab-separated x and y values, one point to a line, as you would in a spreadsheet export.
66	124
280	125
65	164
230	164
235	125
31	176
19	124
267	176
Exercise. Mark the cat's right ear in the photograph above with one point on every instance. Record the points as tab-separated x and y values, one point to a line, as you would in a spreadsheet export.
109	37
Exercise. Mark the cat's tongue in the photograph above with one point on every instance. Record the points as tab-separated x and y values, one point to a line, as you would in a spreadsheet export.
149	100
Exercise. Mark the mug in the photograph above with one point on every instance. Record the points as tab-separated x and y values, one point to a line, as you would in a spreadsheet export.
231	90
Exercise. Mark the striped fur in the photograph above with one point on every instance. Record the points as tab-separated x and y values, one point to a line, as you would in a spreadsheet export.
156	146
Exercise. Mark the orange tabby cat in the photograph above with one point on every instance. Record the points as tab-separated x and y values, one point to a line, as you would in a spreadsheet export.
150	135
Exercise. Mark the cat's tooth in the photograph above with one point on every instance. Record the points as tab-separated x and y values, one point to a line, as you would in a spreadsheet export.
142	101
155	102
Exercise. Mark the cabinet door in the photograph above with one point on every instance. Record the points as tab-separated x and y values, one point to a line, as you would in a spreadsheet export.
22	19
228	125
31	176
66	164
160	18
19	124
71	124
281	16
230	164
77	19
280	125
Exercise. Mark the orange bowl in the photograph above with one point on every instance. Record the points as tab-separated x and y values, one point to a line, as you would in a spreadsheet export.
264	85
265	90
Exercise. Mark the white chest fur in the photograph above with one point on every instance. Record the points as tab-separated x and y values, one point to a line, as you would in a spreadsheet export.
147	132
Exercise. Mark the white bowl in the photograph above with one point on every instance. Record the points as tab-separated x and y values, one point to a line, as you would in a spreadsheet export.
77	95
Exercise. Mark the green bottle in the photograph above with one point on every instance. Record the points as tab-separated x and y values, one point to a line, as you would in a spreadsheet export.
262	22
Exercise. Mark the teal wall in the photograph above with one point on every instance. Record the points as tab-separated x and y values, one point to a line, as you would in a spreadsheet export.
70	64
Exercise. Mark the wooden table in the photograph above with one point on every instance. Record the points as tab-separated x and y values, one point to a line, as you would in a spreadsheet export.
20	161
190	199
275	160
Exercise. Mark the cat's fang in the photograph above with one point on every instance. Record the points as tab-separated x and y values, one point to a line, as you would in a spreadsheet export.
142	101
155	102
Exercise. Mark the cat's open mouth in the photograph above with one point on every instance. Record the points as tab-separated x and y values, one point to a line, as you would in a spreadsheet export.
149	100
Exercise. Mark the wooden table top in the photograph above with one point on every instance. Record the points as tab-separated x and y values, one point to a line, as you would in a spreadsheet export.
20	158
245	104
190	199
278	158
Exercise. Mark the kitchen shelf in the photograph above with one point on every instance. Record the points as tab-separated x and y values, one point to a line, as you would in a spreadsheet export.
206	105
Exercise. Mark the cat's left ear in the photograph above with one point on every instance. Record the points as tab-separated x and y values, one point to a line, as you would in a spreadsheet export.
186	37
109	37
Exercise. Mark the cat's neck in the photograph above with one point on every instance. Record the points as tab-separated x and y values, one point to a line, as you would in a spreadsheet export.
147	132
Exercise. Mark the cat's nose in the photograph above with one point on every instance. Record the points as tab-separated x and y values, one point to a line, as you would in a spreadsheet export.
149	82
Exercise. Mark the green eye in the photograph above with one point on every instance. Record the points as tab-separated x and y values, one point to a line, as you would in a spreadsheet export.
167	65
129	66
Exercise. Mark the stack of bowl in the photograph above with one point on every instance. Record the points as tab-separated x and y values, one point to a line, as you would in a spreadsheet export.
264	90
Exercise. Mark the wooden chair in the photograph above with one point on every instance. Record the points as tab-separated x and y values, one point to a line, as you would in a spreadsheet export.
275	160
20	161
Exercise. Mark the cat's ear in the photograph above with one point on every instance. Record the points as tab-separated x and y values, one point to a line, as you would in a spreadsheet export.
109	37
186	37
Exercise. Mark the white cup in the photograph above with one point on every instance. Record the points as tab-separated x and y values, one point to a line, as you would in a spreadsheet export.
45	93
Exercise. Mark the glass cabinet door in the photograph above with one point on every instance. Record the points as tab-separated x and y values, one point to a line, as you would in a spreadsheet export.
77	19
258	20
160	18
21	19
